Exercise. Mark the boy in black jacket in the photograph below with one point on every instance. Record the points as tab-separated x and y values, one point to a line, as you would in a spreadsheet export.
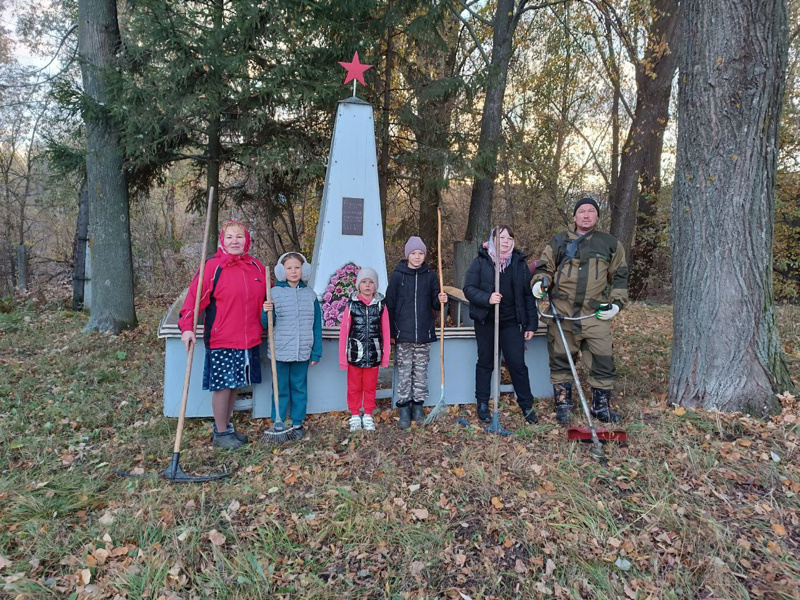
412	296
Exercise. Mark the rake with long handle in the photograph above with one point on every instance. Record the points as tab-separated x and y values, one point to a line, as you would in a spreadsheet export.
495	426
441	406
174	472
278	433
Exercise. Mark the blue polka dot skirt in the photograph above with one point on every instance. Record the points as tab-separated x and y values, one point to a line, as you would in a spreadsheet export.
227	368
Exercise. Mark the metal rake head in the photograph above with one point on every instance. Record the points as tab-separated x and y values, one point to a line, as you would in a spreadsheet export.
495	426
176	474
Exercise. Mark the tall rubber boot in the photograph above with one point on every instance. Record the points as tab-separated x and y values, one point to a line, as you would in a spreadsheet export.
417	414
483	412
404	412
600	407
562	396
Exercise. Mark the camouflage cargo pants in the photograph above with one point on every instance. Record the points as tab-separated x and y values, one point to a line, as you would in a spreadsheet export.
593	338
411	362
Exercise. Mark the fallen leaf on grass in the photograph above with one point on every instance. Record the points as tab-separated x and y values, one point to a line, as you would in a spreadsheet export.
779	529
84	576
680	411
497	503
420	513
520	567
216	537
107	519
413	487
4	562
549	567
101	555
459	472
417	567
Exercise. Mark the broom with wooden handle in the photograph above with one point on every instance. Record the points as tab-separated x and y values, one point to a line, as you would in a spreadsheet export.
278	433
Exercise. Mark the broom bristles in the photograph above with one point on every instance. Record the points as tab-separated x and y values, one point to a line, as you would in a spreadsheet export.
436	412
278	434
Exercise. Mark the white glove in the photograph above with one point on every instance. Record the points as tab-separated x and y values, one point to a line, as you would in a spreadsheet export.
538	292
608	314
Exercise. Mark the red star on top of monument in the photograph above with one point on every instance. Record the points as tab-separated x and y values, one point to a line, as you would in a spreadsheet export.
355	70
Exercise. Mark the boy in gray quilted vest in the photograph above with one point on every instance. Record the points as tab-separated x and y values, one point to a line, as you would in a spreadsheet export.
298	335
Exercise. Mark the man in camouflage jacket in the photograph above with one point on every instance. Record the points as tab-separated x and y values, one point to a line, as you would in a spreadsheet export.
587	273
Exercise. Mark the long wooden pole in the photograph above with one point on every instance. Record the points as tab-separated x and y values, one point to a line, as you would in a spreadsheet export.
496	324
187	377
441	289
272	359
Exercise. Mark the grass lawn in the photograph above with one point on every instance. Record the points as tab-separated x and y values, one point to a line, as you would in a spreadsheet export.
699	505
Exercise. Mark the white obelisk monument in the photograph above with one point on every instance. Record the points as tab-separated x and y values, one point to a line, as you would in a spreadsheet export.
350	228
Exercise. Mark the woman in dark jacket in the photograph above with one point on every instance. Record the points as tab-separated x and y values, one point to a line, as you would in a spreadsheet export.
518	318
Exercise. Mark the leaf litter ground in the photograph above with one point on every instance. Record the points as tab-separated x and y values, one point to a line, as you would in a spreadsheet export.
699	505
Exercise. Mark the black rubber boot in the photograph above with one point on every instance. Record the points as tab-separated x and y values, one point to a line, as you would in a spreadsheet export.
529	413
483	412
417	414
562	396
404	412
600	409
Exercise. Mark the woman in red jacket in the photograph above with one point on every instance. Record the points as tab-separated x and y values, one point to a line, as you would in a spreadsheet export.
233	292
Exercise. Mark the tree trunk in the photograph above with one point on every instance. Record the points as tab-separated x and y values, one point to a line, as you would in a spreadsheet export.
22	251
648	229
383	164
22	267
615	98
654	74
432	134
212	181
112	278
485	165
726	352
79	250
214	149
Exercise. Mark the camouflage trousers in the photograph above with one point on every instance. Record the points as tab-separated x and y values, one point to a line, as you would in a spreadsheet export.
592	338
411	362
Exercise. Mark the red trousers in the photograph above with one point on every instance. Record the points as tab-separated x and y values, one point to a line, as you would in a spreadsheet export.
361	382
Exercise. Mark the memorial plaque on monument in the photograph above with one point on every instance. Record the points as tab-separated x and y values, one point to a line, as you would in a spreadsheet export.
352	216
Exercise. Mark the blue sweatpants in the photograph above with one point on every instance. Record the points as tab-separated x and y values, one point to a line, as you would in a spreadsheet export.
292	389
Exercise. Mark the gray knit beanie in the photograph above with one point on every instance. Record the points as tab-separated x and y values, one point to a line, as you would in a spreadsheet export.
367	273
